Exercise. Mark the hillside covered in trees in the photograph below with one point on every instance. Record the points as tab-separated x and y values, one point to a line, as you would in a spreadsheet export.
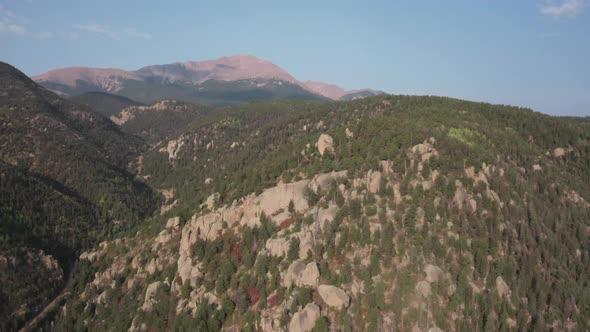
64	184
378	214
387	213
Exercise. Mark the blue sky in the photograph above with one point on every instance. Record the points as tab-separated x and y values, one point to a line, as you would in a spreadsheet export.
531	53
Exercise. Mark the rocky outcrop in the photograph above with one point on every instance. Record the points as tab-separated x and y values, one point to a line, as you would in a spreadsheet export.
327	214
423	289
270	318
334	296
502	287
325	180
374	181
558	152
150	296
425	151
304	320
462	198
433	273
277	247
305	244
173	148
273	199
173	223
325	144
348	133
300	274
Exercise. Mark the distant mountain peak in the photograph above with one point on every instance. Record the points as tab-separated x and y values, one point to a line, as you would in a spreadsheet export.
331	91
180	79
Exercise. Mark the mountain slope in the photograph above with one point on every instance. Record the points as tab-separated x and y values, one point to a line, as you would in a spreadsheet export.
64	184
220	82
104	103
335	92
164	119
383	213
356	94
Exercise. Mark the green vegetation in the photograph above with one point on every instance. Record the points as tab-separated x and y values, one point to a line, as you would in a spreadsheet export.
487	224
465	135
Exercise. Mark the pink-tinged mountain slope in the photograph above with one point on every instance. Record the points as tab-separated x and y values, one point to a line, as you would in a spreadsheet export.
325	89
107	78
231	68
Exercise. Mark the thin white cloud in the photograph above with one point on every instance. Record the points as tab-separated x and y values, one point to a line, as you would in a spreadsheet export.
563	8
134	33
100	29
11	23
107	31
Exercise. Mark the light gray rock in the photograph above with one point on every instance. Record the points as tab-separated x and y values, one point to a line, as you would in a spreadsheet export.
559	152
273	199
423	289
173	223
150	295
325	144
334	296
502	287
433	273
301	274
277	247
304	320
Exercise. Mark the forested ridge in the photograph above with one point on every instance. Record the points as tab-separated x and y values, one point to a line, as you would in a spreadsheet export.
64	184
383	213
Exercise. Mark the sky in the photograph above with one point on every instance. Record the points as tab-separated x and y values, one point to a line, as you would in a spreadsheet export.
530	53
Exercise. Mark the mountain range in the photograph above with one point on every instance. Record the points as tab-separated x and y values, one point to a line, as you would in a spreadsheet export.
220	82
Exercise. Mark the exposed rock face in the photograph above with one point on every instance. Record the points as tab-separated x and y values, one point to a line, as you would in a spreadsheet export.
302	275
423	289
328	214
334	296
173	148
426	150
433	273
187	271
207	227
325	144
304	320
277	247
173	223
462	198
150	295
276	198
558	152
212	200
270	318
305	244
386	167
435	329
479	177
323	181
348	133
374	181
502	287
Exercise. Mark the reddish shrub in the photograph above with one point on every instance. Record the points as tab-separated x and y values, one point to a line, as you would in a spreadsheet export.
235	249
253	295
286	223
274	300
